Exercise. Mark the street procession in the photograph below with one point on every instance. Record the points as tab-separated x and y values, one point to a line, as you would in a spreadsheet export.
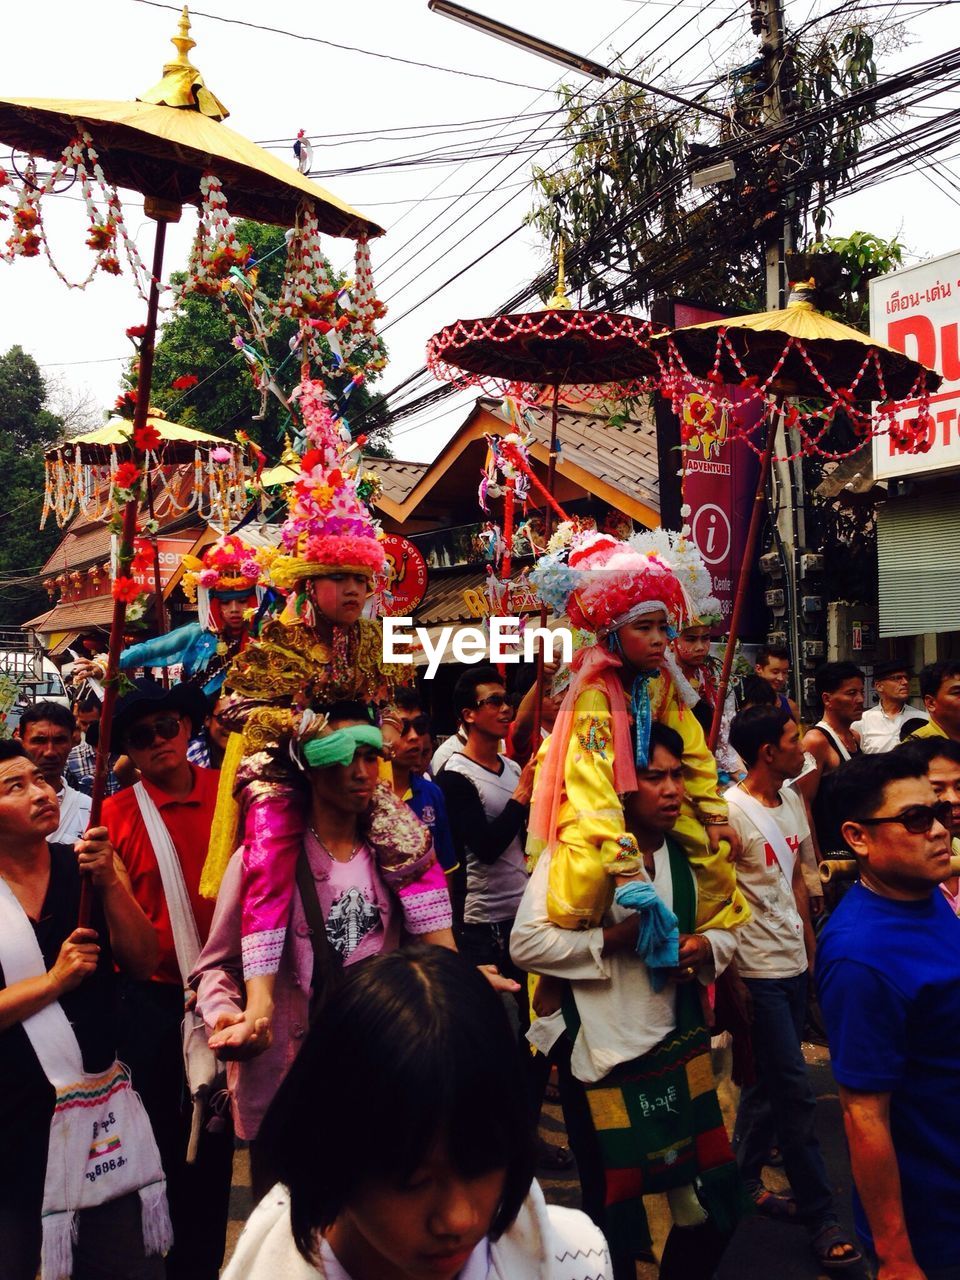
480	640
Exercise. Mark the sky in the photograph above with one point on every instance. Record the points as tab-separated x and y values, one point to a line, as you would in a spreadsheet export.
275	84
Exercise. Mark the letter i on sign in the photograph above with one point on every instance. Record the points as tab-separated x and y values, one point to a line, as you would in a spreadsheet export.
711	534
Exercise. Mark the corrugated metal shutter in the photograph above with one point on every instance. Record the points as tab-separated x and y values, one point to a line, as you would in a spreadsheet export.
918	547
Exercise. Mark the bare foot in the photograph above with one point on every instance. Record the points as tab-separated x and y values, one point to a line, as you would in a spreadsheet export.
239	1036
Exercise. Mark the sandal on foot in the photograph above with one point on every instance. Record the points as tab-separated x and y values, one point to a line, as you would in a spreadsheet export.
774	1204
553	1159
834	1251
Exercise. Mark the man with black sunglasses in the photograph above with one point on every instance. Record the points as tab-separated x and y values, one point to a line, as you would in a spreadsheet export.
889	986
488	798
403	724
161	829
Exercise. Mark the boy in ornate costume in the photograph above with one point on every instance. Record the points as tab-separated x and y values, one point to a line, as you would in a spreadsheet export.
224	584
320	650
689	662
630	601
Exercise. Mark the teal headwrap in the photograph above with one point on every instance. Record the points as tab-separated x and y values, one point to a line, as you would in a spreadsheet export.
340	746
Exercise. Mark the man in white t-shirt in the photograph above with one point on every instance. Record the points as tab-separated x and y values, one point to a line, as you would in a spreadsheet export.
775	958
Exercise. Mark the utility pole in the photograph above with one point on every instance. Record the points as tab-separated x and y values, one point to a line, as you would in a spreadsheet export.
787	493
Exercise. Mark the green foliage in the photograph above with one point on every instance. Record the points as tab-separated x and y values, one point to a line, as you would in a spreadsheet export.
26	427
639	232
863	256
198	339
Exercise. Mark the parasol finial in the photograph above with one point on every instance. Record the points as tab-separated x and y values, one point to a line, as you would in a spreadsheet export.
560	301
182	84
803	295
289	457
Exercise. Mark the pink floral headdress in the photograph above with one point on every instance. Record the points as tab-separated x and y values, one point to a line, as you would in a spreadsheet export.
328	528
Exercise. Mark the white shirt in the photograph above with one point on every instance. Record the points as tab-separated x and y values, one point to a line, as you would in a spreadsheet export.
448	747
621	1016
74	815
546	1242
771	942
880	732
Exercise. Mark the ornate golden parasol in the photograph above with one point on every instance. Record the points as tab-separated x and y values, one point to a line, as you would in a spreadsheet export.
793	352
171	146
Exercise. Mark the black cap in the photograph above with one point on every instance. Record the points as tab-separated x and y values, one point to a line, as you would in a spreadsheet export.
890	667
147	696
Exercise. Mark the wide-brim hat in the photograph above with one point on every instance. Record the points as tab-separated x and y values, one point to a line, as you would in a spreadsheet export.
147	696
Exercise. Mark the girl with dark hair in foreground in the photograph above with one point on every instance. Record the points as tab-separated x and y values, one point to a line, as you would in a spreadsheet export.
401	1143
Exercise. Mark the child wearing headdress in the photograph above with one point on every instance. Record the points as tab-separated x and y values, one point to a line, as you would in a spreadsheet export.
629	602
223	582
318	651
689	662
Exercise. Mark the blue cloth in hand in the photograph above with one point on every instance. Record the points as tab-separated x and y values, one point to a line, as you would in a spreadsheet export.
658	943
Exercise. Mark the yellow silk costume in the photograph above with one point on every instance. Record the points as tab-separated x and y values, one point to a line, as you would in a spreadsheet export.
593	845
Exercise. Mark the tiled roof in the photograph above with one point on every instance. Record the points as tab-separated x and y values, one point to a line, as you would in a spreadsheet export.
75	616
444	600
397	476
625	458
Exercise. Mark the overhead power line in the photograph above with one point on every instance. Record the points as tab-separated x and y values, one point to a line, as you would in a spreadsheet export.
333	44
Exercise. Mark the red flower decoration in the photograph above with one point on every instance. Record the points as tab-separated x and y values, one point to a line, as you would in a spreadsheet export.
125	589
312	458
698	410
136	331
126	404
184	382
26	218
360	441
146	437
142	556
126	475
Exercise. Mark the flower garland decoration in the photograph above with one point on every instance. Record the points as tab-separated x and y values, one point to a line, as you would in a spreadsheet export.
107	233
811	424
216	250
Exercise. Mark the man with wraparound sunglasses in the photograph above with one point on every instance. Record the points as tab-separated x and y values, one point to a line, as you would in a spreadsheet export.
889	987
403	724
161	829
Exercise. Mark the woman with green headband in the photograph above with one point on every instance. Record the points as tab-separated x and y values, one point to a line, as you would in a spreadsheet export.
371	880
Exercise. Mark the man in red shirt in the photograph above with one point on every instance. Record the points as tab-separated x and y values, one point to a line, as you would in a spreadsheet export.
153	726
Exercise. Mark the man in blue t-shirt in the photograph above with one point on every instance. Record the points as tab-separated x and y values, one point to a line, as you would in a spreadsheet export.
889	984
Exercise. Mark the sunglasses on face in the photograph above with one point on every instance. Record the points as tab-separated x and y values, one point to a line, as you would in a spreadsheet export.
418	724
140	736
918	818
495	700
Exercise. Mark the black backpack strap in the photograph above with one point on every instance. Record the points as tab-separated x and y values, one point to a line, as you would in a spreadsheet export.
327	963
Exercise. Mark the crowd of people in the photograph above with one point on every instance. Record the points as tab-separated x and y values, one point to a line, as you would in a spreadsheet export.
301	923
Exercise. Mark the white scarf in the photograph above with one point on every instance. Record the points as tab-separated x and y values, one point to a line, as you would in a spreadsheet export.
101	1145
762	818
199	1059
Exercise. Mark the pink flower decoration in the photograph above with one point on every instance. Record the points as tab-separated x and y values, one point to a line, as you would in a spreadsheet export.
209	578
221	454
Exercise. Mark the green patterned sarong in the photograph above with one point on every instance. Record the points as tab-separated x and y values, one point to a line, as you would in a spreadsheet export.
658	1118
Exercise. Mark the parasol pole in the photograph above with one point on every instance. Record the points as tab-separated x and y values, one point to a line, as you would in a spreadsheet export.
547	531
158	604
746	568
163	213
